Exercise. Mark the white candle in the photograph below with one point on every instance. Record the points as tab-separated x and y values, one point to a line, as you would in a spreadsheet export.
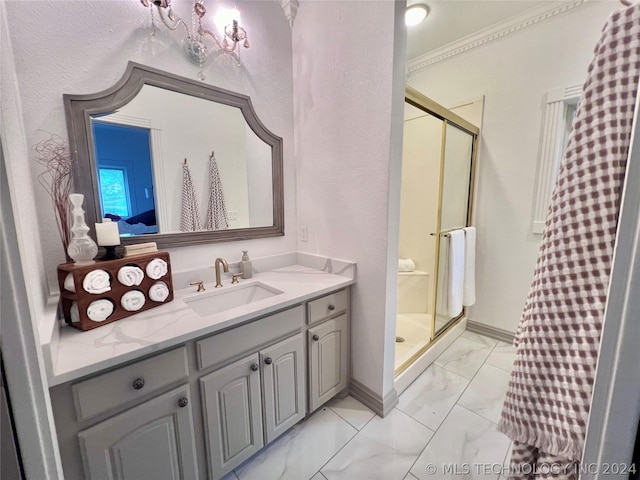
107	233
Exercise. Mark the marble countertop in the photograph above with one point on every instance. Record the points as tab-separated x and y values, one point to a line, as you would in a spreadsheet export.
82	353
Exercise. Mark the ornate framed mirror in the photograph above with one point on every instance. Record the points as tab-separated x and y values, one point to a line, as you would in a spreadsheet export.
155	146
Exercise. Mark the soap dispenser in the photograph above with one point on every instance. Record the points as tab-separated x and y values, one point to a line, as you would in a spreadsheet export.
247	272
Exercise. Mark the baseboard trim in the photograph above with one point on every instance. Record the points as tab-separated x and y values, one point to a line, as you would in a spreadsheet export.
492	332
381	406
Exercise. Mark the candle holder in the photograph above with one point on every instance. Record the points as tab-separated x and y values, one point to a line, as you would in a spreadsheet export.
81	248
110	253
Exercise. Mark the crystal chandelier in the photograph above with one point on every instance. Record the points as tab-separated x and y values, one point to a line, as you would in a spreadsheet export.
194	45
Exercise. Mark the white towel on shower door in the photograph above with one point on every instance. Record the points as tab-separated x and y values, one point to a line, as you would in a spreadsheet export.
469	289
455	284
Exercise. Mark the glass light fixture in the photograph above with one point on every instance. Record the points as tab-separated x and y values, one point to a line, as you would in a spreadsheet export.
415	14
194	46
225	16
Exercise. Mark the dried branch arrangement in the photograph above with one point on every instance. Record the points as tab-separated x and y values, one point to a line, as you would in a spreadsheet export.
53	153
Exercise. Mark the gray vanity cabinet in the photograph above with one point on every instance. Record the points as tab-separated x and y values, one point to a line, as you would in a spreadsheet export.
153	440
235	397
328	357
232	410
283	380
248	384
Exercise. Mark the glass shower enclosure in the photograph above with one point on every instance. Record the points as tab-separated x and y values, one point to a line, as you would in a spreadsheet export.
438	176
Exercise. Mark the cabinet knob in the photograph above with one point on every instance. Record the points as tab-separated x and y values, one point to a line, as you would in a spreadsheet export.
316	337
255	367
138	383
183	402
268	360
332	307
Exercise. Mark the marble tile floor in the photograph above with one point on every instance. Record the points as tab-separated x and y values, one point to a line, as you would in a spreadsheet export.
444	427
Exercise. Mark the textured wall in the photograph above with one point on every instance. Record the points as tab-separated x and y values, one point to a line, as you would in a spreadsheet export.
82	47
513	73
344	149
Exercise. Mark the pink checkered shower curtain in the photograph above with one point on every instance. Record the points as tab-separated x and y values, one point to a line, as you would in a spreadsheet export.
547	404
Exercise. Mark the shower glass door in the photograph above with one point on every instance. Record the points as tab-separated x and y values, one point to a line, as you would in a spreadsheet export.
436	195
454	213
422	156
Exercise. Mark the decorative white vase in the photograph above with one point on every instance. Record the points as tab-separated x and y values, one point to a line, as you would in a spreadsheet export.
81	248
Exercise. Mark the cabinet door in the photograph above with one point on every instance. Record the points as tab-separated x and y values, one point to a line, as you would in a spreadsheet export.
232	411
153	440
328	369
283	385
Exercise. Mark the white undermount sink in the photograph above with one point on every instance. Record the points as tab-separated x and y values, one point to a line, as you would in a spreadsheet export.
228	297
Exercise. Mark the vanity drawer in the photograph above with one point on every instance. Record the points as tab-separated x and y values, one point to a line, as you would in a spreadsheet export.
248	338
327	306
118	387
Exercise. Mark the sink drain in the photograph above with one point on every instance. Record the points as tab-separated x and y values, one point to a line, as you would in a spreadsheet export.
399	339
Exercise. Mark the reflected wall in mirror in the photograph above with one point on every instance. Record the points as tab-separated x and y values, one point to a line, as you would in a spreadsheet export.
131	142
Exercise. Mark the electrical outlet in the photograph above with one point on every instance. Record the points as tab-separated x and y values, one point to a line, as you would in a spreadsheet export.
232	215
304	234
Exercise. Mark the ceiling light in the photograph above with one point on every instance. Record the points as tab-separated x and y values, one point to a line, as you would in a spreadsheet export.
415	14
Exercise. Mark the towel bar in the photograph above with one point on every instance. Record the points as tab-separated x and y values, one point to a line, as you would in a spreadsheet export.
446	233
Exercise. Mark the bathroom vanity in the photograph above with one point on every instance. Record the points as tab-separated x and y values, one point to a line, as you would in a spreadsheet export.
194	387
182	392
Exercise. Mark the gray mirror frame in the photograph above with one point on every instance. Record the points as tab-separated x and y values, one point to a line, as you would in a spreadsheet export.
78	111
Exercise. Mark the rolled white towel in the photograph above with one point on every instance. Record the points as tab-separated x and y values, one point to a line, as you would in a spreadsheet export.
157	268
75	314
96	282
130	275
68	283
132	301
100	310
406	265
159	292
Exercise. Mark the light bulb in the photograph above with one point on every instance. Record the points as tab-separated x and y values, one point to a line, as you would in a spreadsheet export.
415	14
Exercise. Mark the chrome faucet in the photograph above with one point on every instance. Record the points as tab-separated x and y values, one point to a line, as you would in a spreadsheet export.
225	266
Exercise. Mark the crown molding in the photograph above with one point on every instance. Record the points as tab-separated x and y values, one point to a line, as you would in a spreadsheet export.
498	30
